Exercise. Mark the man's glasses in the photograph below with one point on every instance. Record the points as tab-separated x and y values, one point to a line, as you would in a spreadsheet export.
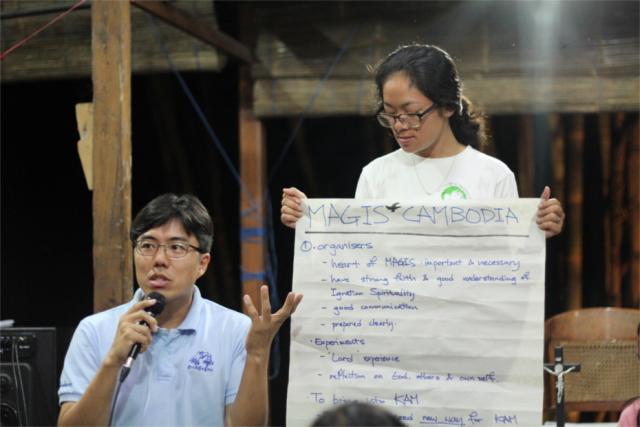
172	250
410	120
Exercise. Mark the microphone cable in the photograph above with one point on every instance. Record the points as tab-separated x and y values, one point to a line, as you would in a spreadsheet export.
114	399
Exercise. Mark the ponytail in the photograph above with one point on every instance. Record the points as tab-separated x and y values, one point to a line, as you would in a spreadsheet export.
468	125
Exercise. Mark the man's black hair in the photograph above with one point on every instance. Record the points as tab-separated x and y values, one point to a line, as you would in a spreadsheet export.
357	414
187	209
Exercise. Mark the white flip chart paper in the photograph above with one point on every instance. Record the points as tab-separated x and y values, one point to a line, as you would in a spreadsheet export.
434	312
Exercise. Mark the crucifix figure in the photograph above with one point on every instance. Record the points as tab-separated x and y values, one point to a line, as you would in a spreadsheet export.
558	369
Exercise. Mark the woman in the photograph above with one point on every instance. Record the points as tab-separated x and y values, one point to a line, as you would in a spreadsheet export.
421	103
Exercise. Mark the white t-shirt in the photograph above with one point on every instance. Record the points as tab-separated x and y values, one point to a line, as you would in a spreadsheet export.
467	175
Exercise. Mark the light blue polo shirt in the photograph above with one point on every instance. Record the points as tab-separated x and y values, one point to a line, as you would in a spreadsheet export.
186	376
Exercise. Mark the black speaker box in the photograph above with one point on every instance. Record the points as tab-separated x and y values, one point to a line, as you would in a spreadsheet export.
28	377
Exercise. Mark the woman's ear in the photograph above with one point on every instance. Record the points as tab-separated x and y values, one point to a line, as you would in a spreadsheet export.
447	112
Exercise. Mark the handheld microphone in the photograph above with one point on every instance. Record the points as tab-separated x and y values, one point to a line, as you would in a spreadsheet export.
154	310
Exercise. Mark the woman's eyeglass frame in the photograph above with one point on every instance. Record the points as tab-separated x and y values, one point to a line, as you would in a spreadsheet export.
389	120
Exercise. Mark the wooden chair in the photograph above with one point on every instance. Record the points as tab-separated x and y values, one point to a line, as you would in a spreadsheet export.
605	342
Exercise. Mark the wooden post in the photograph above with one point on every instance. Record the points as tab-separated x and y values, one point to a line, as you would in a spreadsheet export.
526	157
633	174
558	190
617	191
253	175
604	126
574	220
557	156
111	65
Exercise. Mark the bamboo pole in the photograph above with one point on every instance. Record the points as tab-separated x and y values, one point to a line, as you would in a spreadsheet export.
575	199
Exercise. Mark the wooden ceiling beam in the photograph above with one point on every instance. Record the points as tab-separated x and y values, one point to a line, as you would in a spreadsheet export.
192	26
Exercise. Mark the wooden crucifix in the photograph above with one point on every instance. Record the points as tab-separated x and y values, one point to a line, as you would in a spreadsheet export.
558	369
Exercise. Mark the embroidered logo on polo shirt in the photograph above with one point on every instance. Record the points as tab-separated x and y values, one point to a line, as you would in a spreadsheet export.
201	361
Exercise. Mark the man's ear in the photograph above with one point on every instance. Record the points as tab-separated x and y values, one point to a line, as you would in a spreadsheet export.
204	263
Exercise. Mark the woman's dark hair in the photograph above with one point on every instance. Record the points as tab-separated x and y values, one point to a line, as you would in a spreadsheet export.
187	209
357	414
433	72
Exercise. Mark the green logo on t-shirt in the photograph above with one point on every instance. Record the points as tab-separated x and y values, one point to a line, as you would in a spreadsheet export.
454	192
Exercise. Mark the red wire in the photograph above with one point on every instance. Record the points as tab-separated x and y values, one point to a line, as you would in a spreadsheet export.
39	30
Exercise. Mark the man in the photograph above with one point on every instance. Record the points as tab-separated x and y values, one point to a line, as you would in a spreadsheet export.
200	363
